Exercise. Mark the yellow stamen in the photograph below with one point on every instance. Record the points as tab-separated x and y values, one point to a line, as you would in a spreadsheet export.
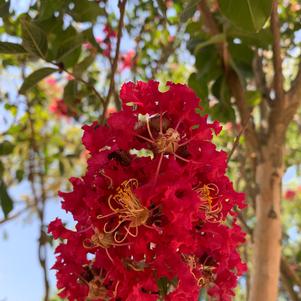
130	212
207	194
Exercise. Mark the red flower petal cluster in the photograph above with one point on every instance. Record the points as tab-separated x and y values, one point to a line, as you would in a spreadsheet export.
155	211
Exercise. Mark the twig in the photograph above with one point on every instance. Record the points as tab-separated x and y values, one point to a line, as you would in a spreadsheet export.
121	5
236	141
102	100
15	215
39	200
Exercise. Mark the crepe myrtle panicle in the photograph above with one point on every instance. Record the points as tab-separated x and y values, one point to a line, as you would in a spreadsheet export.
154	213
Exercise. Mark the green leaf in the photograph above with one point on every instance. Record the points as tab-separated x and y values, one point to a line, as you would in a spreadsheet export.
34	39
83	65
253	98
250	15
86	11
5	200
4	8
35	77
213	40
200	86
11	48
47	8
20	175
189	10
70	91
6	147
1	169
69	50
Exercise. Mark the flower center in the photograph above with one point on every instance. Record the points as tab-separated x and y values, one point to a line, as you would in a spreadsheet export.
97	290
168	142
202	273
207	193
99	239
130	212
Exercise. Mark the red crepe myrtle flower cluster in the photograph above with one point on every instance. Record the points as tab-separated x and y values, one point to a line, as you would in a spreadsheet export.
155	211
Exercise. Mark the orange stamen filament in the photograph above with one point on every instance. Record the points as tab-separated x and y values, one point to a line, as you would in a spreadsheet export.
129	209
212	212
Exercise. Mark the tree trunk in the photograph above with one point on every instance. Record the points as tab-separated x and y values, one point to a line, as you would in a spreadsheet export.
267	234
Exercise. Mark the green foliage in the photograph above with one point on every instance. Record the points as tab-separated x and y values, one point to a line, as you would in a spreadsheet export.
5	200
189	10
35	77
249	15
34	39
11	48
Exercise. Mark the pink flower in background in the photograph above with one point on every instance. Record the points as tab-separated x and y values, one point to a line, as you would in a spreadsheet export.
290	194
50	80
127	60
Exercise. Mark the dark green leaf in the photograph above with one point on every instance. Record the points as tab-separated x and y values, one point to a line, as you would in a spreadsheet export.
86	11
20	175
35	77
70	48
5	200
249	15
11	48
4	8
83	65
61	167
223	113
34	39
70	91
6	147
189	10
1	169
47	8
200	86
212	40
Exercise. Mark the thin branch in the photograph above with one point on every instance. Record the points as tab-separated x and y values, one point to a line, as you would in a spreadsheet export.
16	215
285	267
86	83
39	198
260	79
121	5
236	141
288	280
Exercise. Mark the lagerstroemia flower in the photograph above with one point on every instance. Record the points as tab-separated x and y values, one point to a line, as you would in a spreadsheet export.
154	213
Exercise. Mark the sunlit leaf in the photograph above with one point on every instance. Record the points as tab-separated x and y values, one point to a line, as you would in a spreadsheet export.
249	15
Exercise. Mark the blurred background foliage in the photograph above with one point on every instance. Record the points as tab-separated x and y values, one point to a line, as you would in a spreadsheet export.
62	64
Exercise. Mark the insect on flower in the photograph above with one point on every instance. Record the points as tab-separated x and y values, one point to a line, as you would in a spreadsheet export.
131	214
